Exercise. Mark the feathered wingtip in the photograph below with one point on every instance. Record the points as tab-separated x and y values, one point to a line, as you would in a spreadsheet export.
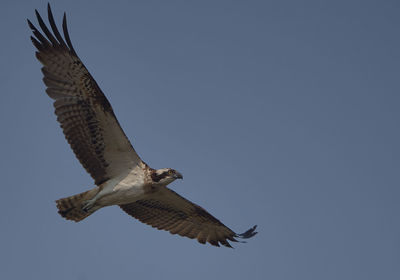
53	39
248	234
245	235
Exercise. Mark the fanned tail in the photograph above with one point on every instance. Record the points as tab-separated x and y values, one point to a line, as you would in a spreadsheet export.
71	208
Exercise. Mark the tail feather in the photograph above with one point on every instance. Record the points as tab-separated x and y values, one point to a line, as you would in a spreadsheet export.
71	207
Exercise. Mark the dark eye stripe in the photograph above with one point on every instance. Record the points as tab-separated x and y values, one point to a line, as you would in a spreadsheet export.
157	178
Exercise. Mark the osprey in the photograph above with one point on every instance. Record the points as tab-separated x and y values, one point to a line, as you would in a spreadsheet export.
98	141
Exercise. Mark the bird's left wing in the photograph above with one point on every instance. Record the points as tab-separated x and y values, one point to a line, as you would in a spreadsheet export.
167	210
85	115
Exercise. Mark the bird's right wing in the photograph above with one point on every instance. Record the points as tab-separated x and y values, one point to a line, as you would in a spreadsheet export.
167	210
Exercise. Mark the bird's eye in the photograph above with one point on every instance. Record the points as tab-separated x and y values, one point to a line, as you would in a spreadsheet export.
170	172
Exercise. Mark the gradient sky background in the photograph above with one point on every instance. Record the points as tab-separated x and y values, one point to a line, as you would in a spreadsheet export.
283	114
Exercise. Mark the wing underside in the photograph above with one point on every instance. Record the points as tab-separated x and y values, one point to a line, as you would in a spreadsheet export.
166	210
84	113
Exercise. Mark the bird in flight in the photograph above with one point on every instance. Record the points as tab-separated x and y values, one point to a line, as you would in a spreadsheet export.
98	141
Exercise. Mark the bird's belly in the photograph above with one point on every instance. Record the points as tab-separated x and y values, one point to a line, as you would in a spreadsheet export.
121	193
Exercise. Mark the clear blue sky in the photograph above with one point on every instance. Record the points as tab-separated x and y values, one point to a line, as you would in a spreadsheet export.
283	114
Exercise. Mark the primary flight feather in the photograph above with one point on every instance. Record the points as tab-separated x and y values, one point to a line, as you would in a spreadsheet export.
98	141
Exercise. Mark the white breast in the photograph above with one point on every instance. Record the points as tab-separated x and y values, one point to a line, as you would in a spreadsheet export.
122	190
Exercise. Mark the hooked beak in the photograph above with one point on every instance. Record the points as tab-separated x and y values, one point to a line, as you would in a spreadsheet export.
178	175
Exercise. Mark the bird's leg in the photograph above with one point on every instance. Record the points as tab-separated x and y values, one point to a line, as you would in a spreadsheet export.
88	205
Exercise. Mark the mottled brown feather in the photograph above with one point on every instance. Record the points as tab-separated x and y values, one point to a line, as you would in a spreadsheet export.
167	210
84	113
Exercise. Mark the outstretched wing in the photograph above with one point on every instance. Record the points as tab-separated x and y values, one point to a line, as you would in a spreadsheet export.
167	210
85	115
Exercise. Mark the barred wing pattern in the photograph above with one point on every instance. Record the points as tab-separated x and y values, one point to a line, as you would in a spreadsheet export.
167	210
85	115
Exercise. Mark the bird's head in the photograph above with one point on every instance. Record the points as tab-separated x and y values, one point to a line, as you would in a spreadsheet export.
165	176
